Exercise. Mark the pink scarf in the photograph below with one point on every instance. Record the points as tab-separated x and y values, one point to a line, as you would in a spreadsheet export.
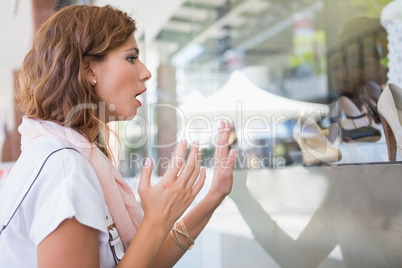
119	197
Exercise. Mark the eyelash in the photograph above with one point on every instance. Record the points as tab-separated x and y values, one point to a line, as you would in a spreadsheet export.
131	59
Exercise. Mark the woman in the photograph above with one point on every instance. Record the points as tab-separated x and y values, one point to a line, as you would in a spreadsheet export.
82	57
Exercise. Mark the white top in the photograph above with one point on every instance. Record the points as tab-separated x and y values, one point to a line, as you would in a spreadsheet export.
66	187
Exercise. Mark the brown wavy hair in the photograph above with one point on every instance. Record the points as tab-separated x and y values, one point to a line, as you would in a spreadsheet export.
52	80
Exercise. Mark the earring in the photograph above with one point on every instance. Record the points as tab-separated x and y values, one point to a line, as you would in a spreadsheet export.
94	81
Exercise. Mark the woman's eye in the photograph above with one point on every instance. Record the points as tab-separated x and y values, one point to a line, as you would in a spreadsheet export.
131	59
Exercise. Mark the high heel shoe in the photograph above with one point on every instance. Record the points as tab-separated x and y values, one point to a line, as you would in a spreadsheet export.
354	124
313	143
369	96
390	109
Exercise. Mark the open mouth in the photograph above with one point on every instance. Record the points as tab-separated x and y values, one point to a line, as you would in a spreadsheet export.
138	95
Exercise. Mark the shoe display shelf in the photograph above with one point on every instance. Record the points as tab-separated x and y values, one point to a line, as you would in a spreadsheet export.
366	152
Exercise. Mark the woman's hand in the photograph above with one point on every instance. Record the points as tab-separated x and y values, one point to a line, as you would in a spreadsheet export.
168	200
165	202
223	169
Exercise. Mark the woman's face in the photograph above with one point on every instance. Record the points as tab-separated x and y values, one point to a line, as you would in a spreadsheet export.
120	78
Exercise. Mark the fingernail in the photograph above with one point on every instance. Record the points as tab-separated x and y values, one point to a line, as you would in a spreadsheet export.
184	142
203	170
232	153
222	123
196	144
147	162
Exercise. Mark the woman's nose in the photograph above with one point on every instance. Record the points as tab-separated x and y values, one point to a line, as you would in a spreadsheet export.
145	74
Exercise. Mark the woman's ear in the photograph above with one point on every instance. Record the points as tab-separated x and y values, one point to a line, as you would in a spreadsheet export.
89	72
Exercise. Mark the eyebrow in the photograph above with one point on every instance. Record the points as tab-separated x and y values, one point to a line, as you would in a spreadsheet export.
136	50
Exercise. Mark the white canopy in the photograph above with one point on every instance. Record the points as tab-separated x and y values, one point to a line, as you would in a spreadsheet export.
241	97
194	103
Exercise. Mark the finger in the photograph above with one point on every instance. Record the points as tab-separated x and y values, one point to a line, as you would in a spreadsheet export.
218	140
224	137
177	161
232	157
200	183
196	172
222	145
226	173
228	169
189	166
145	177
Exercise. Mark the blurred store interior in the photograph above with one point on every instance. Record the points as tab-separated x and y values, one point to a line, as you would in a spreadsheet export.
230	59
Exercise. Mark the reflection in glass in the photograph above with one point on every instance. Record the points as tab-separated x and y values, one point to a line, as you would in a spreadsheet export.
360	213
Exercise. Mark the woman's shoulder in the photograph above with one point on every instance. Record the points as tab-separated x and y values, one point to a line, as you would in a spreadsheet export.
63	185
48	166
53	155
